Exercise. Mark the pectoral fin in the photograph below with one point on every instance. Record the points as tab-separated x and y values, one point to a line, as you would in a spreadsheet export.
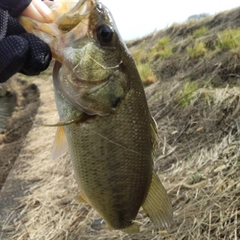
60	145
157	204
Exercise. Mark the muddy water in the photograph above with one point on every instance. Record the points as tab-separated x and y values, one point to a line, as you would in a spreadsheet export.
7	104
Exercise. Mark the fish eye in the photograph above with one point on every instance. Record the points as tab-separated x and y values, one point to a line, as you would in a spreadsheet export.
104	33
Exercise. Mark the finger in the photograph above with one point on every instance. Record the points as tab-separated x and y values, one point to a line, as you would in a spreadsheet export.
38	11
44	10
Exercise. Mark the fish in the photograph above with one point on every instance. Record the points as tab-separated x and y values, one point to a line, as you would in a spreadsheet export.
105	121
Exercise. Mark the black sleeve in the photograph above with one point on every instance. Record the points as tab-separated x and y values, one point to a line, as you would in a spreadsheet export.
20	51
14	7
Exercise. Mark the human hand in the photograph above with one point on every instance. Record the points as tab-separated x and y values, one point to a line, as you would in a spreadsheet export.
20	51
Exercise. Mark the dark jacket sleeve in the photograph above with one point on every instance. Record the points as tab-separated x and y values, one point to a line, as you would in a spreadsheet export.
14	7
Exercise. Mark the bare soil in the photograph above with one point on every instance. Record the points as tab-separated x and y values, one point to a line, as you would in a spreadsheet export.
26	95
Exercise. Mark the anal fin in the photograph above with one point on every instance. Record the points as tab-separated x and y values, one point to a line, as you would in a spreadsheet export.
157	204
80	198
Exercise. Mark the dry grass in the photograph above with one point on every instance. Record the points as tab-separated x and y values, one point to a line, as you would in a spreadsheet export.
197	160
199	156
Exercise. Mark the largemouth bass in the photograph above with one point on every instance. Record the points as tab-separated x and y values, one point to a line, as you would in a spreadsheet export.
104	116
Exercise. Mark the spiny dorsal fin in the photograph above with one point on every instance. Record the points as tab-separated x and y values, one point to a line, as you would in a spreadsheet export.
60	145
157	204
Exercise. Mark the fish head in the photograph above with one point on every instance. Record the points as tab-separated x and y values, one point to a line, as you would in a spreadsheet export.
92	74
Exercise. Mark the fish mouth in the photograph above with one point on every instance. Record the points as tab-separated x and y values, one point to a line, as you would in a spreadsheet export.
72	18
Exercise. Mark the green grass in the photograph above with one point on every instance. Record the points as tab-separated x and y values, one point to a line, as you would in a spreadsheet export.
196	177
186	95
146	74
143	64
228	39
199	32
164	48
163	42
197	50
138	56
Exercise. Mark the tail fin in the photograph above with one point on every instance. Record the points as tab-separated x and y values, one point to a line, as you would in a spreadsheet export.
157	204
